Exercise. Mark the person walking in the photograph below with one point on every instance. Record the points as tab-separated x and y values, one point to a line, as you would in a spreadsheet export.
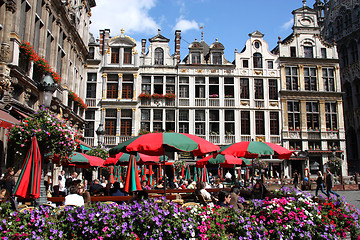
329	183
320	184
296	179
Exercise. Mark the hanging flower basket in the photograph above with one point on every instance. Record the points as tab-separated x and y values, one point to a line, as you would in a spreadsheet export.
157	96
144	95
170	96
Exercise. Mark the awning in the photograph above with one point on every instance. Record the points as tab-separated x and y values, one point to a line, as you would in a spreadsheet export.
297	159
273	160
84	146
6	120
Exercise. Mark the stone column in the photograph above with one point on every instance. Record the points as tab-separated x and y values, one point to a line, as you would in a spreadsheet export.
134	86
118	122
120	80
319	76
104	76
133	128
301	77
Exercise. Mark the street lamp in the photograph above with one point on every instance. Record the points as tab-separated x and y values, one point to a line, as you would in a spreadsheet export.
100	132
47	88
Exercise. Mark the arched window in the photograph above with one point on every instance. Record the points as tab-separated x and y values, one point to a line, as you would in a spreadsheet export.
344	56
257	57
159	56
339	24
308	50
354	52
347	21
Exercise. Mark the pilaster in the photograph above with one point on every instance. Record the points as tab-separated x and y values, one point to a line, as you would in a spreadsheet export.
120	80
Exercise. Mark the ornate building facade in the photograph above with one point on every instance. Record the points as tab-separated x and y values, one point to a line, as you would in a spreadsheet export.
311	96
340	22
37	33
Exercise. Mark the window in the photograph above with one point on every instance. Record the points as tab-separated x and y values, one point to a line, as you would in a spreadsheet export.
344	56
310	78
23	16
112	90
328	77
91	77
127	86
244	88
145	119
291	74
257	57
89	129
170	120
146	84
273	90
158	120
331	116
37	28
184	115
354	52
158	84
308	52
91	52
323	53
214	122
339	24
184	87
170	84
127	55
199	122
184	121
114	55
183	127
126	120
293	115
259	123
270	64
159	56
214	87
199	87
217	58
245	123
91	90
229	122
245	63
214	115
110	121
274	123
229	87
259	89
312	115
195	58
257	44
292	51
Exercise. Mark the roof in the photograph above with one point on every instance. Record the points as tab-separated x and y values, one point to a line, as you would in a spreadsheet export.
159	38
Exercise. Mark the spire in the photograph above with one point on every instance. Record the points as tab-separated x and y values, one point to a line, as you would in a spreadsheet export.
122	32
159	31
304	2
202	33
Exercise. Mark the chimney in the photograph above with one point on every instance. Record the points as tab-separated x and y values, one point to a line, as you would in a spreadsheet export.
104	38
101	41
177	45
143	46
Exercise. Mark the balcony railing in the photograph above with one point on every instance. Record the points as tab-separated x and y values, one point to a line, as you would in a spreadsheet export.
245	138
183	102
90	102
314	135
275	139
229	102
115	140
332	134
214	102
229	139
170	102
199	102
215	139
259	103
145	101
89	141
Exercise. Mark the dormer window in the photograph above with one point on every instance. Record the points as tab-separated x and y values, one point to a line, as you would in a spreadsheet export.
217	60
159	56
91	52
308	51
114	55
195	58
127	55
257	57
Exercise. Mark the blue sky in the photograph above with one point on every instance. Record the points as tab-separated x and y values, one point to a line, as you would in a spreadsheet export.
230	21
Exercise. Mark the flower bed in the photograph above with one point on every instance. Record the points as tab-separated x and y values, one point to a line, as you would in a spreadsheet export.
291	217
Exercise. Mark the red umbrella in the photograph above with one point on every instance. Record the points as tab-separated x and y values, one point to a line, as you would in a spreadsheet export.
123	159
150	180
132	178
251	149
82	160
223	160
28	184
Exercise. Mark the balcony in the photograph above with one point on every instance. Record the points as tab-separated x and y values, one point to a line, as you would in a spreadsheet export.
229	102
170	102
214	102
110	140
200	102
215	139
90	102
183	102
275	139
332	134
229	139
145	101
245	138
89	141
314	134
294	134
259	103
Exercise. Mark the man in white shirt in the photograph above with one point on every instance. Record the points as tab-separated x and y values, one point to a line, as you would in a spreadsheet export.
62	181
228	176
74	198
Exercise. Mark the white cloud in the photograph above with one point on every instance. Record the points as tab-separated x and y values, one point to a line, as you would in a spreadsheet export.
132	15
288	24
185	25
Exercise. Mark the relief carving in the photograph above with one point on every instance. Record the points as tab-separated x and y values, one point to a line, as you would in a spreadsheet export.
4	52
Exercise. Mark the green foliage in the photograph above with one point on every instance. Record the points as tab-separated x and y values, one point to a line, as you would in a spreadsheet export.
99	151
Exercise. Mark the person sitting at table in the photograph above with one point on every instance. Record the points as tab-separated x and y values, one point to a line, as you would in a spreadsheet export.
95	188
5	197
160	185
234	202
74	198
184	185
259	190
116	190
200	190
224	198
85	194
139	196
145	186
218	183
192	185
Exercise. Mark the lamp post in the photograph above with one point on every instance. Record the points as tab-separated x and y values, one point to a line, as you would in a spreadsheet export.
100	132
47	87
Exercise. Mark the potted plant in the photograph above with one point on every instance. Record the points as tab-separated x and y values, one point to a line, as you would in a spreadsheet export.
144	95
157	96
170	96
229	96
215	95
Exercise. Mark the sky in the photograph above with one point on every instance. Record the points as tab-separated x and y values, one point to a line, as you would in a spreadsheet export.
229	21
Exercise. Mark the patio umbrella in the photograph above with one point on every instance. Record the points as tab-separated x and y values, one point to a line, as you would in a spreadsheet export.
188	174
132	178
82	160
123	159
150	180
28	184
111	177
251	149
204	175
223	160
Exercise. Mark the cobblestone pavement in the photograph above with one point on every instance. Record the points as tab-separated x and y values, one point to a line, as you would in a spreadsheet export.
352	197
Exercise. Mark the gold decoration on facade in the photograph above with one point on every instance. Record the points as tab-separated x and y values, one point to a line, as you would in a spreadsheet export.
133	109
213	70
108	51
120	75
274	104
103	109
245	103
260	139
14	35
104	94
258	72
118	109
122	32
199	70
135	75
301	66
104	75
184	70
